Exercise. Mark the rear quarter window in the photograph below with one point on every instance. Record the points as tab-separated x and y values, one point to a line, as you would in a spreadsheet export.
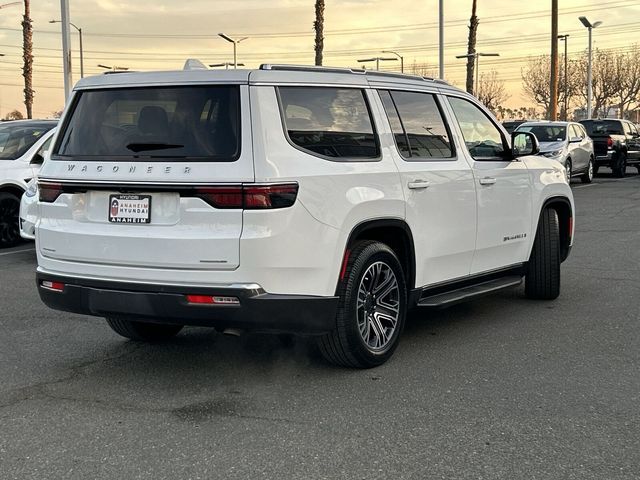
334	123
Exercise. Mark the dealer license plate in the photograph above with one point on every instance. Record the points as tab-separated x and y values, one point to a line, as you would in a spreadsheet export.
130	208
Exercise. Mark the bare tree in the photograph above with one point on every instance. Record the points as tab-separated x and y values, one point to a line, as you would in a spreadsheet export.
318	26
491	91
422	69
536	80
471	46
627	73
27	55
605	81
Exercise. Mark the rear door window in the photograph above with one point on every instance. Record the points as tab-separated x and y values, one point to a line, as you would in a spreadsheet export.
417	124
201	122
331	122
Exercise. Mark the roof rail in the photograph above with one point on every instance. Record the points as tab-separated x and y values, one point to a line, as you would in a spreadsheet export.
309	68
407	76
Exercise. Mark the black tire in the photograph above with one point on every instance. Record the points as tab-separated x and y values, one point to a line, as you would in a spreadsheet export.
620	169
9	220
142	331
542	280
587	177
596	168
569	168
346	345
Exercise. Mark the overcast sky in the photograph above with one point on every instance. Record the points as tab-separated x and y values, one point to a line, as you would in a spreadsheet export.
161	34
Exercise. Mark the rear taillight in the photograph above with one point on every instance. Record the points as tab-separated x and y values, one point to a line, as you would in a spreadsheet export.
212	300
249	197
609	142
49	191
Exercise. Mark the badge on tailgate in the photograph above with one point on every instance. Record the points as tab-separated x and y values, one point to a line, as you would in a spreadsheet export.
130	208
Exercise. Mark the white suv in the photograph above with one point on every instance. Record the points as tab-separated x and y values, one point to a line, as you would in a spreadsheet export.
304	200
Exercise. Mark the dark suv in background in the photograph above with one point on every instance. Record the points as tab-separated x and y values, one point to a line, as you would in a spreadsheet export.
616	144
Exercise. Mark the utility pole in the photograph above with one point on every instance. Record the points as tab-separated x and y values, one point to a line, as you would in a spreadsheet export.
553	105
441	43
471	47
565	39
66	50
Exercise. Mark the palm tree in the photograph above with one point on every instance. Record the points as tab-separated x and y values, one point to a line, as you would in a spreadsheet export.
318	26
471	49
27	55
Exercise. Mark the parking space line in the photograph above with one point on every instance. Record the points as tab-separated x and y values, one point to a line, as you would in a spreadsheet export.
585	186
17	251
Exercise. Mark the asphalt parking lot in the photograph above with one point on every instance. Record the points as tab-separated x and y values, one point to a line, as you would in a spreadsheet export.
503	387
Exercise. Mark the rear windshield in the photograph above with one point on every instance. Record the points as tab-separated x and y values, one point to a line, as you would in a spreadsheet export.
200	122
545	133
17	138
602	127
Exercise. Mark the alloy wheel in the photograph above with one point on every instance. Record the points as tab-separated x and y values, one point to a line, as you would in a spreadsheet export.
378	306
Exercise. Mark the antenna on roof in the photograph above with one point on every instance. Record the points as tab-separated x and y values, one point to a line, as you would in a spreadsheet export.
194	64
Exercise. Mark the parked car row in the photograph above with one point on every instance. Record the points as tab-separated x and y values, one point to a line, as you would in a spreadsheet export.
583	147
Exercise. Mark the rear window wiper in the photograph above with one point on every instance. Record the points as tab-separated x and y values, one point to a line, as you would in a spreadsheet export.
143	147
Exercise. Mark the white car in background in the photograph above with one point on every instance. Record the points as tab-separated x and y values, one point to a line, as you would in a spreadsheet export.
20	144
29	201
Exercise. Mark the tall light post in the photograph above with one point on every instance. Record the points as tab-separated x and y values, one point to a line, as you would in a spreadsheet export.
397	55
590	26
80	37
66	48
225	65
441	38
377	60
565	39
235	46
476	56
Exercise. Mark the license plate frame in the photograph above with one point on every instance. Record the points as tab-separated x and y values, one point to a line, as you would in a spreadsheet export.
129	209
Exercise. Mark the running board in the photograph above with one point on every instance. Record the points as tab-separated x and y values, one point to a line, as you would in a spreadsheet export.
467	293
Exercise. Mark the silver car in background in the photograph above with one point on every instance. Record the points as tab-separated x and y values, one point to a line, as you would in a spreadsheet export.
566	142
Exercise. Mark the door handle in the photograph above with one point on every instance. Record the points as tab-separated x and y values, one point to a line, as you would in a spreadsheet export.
487	181
418	184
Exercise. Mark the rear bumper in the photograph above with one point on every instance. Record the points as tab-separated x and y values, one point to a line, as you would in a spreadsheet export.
605	158
256	310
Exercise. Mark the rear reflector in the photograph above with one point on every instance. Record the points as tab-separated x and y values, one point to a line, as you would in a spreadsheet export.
53	286
212	300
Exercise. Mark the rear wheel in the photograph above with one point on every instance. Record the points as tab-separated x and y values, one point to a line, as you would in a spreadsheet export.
621	165
9	226
141	331
587	177
595	170
371	310
543	270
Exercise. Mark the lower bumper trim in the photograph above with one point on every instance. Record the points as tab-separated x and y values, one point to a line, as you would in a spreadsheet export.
257	311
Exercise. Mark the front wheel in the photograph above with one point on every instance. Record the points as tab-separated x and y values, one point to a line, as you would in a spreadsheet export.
543	270
9	226
142	331
569	169
371	310
587	177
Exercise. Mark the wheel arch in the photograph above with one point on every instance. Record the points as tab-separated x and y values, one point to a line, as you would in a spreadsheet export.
12	188
562	206
394	233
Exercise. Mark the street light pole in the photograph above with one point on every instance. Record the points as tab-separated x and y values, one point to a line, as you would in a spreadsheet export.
476	56
377	60
80	38
565	39
235	45
399	56
441	38
590	26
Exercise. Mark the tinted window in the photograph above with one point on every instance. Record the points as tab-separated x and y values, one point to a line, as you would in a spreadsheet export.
17	138
333	122
545	133
416	121
175	122
482	137
602	127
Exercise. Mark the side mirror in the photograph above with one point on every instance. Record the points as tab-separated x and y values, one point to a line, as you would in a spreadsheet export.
524	143
37	159
575	140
